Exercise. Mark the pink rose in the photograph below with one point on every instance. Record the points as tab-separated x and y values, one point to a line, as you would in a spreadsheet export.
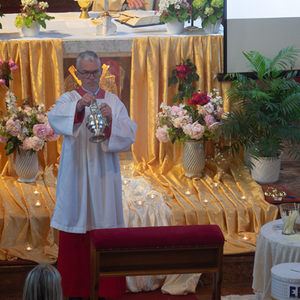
27	144
2	81
3	140
11	63
51	135
162	134
40	130
14	68
209	120
183	70
194	131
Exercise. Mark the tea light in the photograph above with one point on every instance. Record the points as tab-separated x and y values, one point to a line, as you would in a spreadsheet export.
245	238
243	197
205	201
139	202
38	203
215	184
187	191
36	192
152	196
126	181
28	248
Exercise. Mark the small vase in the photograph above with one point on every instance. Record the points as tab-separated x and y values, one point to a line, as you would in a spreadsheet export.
175	27
32	31
26	165
193	158
212	28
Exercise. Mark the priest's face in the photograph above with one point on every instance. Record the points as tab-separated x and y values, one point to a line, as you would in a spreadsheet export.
89	72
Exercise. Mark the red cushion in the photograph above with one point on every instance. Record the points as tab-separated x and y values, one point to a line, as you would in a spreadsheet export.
160	236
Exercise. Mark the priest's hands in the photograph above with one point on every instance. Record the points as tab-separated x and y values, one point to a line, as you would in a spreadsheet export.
85	100
106	112
135	3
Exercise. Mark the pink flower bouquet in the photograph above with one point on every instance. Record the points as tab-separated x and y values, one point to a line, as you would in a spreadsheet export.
182	123
27	127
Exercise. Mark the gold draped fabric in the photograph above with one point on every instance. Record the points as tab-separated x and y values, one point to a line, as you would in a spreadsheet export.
40	76
153	59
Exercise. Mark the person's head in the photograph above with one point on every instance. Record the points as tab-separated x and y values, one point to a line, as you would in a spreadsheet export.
89	70
43	283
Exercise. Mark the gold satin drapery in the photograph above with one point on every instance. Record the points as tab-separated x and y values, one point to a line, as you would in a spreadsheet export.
22	224
153	58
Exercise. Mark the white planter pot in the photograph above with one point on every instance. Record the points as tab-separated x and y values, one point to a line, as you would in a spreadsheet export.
265	170
193	158
212	28
175	27
26	165
32	31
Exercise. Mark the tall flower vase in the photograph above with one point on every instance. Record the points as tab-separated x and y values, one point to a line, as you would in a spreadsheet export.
175	27
193	158
26	165
212	28
32	31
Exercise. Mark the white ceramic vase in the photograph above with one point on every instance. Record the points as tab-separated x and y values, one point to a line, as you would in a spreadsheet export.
193	158
265	170
32	31
26	165
175	27
212	28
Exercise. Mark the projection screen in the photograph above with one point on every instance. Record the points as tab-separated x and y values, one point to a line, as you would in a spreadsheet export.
265	26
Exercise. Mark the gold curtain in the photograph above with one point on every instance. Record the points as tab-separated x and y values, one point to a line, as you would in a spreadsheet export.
40	76
153	59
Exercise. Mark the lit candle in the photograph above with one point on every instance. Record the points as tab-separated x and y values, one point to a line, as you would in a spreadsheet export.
245	238
188	191
205	201
126	181
38	203
215	184
28	248
152	196
36	192
243	197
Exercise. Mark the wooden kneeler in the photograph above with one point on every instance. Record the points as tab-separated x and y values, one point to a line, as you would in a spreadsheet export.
157	251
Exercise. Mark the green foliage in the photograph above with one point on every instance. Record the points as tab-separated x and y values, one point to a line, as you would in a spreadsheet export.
184	74
266	115
208	10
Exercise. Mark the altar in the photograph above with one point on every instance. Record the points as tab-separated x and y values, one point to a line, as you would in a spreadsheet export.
225	195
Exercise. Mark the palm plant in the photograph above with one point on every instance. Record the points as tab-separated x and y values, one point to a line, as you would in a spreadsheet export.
266	115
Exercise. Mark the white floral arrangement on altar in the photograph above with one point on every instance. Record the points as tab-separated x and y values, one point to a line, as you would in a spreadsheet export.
182	123
31	11
169	10
25	126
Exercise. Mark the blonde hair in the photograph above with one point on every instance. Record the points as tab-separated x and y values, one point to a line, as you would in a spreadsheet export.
43	283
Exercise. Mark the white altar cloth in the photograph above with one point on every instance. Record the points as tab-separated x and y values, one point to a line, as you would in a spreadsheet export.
80	34
272	248
143	206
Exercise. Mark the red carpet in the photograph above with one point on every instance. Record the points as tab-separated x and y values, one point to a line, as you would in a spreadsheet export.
156	295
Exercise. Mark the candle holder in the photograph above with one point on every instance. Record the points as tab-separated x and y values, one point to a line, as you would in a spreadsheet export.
289	213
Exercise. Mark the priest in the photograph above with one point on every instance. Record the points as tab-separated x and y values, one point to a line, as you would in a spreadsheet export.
89	187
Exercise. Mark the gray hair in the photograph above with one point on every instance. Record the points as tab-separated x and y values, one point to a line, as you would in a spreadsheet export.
87	56
43	283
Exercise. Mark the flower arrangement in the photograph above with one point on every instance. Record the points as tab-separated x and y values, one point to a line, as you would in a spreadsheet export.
170	10
182	123
185	74
24	126
32	10
6	67
208	10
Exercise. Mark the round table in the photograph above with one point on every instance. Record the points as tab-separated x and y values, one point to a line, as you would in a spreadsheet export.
272	248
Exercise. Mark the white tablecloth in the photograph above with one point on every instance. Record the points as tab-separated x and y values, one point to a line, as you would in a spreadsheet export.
143	206
272	248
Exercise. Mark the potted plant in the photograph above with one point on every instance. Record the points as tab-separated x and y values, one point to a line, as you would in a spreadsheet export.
266	115
174	13
32	15
211	12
